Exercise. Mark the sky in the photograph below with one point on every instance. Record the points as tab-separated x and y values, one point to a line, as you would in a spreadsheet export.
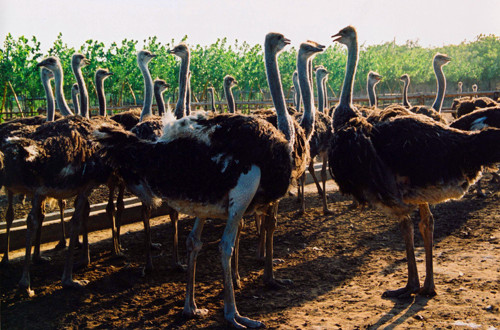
430	22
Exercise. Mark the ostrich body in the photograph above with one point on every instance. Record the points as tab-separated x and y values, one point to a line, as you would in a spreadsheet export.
229	83
403	163
160	86
230	180
372	80
406	81
75	94
465	105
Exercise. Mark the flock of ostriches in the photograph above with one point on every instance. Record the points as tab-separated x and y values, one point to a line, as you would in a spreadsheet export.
211	165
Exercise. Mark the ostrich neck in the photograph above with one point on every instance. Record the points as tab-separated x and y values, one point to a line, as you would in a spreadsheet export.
296	97
230	99
181	102
325	93
274	81
61	101
307	121
100	96
212	100
148	91
321	101
188	96
406	103
344	110
84	95
441	87
50	99
160	102
76	102
371	93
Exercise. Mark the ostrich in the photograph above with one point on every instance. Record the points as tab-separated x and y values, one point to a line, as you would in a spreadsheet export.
220	166
321	75
465	105
160	86
229	83
474	89
75	94
18	128
297	99
188	94
400	164
182	51
406	80
325	79
211	92
460	86
76	66
100	76
373	79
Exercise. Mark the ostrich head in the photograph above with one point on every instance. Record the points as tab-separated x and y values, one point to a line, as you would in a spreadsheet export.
374	78
144	56
230	82
102	74
441	59
346	36
405	78
161	85
52	63
309	49
474	88
322	72
79	60
181	50
460	84
46	74
276	42
75	89
295	76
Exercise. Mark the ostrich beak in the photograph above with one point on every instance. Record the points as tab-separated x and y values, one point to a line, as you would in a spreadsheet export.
336	37
287	41
110	73
86	61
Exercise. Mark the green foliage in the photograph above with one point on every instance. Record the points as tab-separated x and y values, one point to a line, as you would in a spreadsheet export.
476	61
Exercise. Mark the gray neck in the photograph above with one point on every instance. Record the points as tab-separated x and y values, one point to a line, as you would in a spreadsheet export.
159	101
325	92
321	101
212	99
406	103
181	102
231	106
297	98
310	74
274	81
307	121
99	84
76	102
441	87
84	95
370	87
188	96
50	99
147	108
61	101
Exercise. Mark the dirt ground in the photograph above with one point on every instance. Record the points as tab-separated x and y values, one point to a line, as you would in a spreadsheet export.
340	265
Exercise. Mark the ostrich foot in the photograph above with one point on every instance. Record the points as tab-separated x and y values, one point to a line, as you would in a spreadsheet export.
327	212
155	246
194	312
405	292
40	260
74	284
24	287
60	245
277	283
240	322
427	291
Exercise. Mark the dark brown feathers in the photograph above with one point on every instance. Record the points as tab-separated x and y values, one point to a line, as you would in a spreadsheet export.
128	119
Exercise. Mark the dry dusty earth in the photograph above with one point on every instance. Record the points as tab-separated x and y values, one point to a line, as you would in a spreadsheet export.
340	265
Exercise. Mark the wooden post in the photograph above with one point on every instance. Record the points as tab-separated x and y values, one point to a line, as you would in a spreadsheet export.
17	101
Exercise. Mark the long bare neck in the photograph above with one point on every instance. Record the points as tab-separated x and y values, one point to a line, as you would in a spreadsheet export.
307	121
321	102
180	108
99	84
212	99
231	106
276	89
76	101
159	101
297	98
147	109
441	87
50	99
372	96
406	103
344	110
188	96
325	92
61	101
84	95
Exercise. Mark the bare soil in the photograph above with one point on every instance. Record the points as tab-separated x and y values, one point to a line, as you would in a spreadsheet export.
340	265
